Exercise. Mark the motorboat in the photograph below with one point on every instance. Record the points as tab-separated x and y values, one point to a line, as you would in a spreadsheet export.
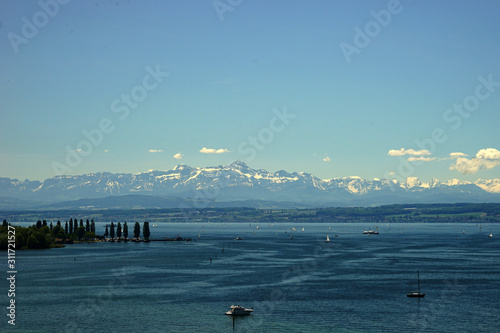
238	310
370	232
238	238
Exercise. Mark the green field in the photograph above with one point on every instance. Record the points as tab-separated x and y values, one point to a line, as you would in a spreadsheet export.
463	212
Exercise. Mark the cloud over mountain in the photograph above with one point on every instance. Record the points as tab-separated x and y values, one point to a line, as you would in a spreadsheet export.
237	182
457	155
485	159
421	158
205	150
402	152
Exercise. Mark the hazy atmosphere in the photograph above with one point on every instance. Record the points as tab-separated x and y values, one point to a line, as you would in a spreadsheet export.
221	166
376	89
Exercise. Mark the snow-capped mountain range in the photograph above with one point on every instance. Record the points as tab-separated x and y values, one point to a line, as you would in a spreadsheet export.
237	182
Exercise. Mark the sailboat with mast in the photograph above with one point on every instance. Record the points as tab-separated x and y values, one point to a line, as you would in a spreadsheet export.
327	239
416	293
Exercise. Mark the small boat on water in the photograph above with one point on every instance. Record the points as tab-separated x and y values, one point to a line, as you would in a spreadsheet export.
238	238
327	239
238	310
490	235
416	293
370	232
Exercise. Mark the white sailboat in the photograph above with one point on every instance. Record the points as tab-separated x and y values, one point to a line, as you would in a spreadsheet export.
327	239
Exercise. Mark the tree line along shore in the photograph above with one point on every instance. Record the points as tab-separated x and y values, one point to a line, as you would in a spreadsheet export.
401	213
43	236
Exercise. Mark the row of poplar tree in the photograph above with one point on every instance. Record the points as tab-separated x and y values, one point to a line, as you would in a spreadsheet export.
79	230
43	235
87	230
123	232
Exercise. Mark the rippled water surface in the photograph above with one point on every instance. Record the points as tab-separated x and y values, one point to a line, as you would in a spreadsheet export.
354	283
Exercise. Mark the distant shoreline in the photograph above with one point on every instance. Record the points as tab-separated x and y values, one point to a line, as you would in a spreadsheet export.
400	213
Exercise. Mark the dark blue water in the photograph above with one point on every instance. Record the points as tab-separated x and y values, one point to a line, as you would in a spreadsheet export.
355	283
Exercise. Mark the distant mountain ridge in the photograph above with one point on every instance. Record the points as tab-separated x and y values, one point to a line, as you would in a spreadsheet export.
238	182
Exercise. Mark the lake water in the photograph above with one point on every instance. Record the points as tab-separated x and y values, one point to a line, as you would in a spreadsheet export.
355	283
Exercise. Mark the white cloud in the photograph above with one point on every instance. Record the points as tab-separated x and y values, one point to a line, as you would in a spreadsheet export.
488	154
205	150
485	159
327	159
423	159
178	156
402	151
155	151
453	156
457	155
106	150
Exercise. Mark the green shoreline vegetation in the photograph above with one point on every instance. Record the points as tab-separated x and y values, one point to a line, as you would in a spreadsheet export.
43	235
443	213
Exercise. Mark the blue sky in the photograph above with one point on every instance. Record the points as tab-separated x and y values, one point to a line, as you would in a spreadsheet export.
325	87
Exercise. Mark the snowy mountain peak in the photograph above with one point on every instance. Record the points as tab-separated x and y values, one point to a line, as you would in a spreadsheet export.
238	165
434	182
489	185
237	181
412	182
455	182
180	167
